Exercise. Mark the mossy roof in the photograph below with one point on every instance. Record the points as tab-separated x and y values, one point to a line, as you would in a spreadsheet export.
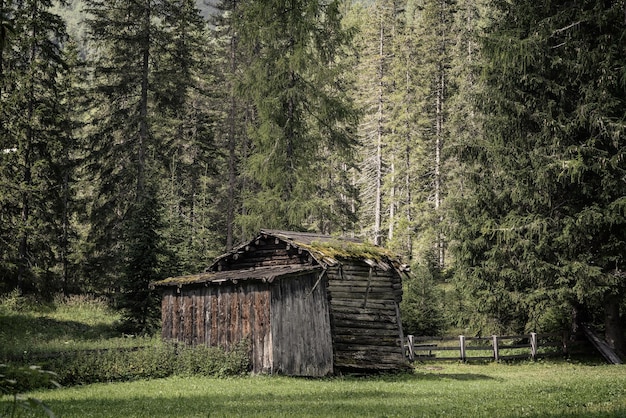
264	274
327	250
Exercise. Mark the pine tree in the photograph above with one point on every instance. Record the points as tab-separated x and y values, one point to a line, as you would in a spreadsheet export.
544	231
34	134
302	110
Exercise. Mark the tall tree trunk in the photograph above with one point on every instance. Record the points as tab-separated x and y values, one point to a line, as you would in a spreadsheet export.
232	157
439	138
379	139
143	109
438	151
409	197
3	41
392	199
24	263
613	326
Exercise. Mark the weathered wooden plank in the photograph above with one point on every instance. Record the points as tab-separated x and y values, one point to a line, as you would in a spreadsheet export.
373	294
374	297
360	310
214	324
349	302
372	349
367	340
350	278
188	317
341	329
337	286
377	317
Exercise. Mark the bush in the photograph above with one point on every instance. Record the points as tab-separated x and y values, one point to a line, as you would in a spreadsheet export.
158	361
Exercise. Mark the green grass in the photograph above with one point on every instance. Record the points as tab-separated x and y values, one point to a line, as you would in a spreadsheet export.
550	389
29	329
546	388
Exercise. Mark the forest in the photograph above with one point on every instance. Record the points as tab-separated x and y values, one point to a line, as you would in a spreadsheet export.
484	141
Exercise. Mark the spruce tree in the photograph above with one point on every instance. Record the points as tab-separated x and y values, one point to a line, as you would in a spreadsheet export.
35	145
302	110
543	231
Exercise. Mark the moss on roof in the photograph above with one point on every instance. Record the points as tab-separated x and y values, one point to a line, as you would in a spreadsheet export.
349	250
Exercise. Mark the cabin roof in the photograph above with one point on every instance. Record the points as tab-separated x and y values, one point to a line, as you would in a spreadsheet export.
263	274
327	250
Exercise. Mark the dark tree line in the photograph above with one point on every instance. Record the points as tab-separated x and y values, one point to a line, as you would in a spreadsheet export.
482	140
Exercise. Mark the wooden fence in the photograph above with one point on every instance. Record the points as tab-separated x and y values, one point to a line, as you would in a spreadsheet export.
494	347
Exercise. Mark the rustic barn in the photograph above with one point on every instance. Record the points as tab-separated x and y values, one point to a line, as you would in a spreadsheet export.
308	305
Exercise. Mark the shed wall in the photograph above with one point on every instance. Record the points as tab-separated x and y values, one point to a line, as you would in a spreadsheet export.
221	316
301	331
364	306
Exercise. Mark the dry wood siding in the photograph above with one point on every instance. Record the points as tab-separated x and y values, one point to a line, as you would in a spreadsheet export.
367	332
264	253
221	316
301	332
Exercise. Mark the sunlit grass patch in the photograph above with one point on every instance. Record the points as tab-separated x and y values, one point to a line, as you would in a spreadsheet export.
443	389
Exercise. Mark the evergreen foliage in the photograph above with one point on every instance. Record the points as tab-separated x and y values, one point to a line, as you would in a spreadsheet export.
302	110
36	147
542	230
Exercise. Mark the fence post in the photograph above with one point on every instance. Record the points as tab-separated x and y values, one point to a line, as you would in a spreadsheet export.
462	346
496	354
411	348
533	345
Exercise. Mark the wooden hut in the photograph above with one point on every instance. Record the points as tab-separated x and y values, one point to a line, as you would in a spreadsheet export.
308	305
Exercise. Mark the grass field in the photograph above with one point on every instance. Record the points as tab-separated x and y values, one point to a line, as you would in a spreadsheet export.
552	389
28	329
541	389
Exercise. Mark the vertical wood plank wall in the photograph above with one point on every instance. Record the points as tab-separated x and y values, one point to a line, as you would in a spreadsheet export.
301	330
221	316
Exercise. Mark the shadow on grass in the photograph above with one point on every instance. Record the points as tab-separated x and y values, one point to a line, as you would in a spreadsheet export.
348	403
20	332
19	327
428	374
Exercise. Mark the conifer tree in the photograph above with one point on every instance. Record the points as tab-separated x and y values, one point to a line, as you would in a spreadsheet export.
302	109
543	230
142	74
33	136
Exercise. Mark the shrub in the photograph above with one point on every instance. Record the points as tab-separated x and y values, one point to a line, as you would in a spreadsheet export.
158	361
15	380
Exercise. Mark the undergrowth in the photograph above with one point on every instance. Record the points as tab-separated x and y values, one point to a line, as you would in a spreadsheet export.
77	340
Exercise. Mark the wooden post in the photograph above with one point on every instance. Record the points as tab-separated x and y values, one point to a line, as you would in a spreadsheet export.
496	354
565	339
533	345
411	348
462	346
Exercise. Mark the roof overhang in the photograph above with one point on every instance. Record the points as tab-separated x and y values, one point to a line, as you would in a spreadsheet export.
261	274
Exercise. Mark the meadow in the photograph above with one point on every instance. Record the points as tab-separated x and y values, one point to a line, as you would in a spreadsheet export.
552	389
546	388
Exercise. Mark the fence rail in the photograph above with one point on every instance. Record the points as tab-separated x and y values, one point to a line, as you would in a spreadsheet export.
494	347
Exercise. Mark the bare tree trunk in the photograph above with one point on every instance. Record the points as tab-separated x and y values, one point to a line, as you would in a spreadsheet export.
438	150
379	141
392	200
439	138
143	106
232	157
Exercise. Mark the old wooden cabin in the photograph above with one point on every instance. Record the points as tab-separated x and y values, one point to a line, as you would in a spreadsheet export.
308	305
